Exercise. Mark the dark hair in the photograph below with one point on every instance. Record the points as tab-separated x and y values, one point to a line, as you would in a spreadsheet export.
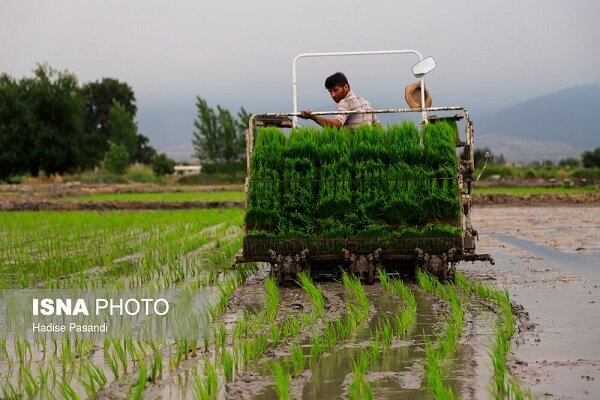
337	79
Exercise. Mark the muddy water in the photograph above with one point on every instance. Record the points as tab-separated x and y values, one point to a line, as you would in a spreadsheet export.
557	351
399	371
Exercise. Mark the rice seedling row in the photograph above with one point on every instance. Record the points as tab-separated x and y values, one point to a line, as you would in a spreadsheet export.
504	385
69	376
68	254
445	342
383	335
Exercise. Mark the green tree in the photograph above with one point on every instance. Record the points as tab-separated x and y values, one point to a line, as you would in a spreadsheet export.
99	98
116	159
591	159
144	152
122	129
14	131
218	136
162	165
47	126
569	162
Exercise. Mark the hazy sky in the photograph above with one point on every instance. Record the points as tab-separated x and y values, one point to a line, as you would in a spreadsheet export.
489	53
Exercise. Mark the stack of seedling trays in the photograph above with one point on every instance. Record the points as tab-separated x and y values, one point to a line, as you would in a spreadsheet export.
329	189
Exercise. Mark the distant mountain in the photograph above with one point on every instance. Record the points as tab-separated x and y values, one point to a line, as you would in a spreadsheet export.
553	126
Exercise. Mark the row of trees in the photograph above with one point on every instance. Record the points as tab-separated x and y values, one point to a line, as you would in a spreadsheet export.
219	137
48	122
589	159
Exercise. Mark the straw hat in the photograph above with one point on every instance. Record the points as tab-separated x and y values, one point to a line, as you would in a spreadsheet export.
412	94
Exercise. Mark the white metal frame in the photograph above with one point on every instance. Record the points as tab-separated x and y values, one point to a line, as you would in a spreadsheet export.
351	53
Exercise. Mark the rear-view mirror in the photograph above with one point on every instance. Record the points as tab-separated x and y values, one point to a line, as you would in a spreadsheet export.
423	67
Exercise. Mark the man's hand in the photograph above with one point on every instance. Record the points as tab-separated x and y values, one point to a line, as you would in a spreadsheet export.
306	114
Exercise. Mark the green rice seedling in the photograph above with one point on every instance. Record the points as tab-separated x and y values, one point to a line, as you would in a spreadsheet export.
387	177
404	199
275	334
3	350
22	350
330	336
402	142
291	327
298	359
241	328
258	346
228	365
282	380
264	196
353	285
335	196
92	378
299	176
335	187
27	382
156	367
306	319
220	335
46	375
344	328
67	359
368	143
360	388
427	282
375	347
503	384
207	387
177	358
384	278
110	359
272	298
497	354
404	321
369	193
65	390
435	373
333	144
212	382
439	145
453	328
515	391
193	345
386	333
446	341
138	389
315	294
316	347
8	390
121	353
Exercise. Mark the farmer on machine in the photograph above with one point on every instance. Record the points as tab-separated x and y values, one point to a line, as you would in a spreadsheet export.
339	90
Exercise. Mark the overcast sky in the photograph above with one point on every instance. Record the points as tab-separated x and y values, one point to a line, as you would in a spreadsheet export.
489	53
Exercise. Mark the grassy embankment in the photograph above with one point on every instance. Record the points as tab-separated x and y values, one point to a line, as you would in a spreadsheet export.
166	196
522	191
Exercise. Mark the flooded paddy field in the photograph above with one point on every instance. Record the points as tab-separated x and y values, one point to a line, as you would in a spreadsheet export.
327	337
549	259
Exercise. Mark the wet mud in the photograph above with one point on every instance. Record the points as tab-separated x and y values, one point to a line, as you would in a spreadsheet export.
549	259
398	372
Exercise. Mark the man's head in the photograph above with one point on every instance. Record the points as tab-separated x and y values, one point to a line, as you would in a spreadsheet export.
338	86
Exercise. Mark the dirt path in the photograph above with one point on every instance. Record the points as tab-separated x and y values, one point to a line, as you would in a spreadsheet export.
549	258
